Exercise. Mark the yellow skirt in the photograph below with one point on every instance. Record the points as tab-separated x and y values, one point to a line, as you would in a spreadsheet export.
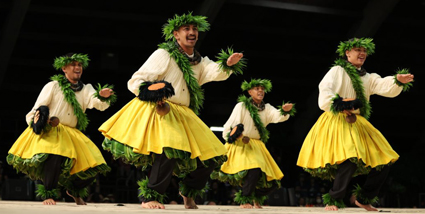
332	141
139	126
61	140
251	155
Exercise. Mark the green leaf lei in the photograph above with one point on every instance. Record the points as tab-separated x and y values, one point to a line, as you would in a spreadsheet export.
111	99
222	61
177	21
366	43
257	82
65	60
196	92
366	110
406	86
69	95
264	133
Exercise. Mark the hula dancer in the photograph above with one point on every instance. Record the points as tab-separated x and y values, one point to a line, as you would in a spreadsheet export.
160	127
343	143
249	163
53	148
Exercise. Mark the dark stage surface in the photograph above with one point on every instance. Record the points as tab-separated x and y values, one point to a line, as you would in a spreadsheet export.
290	42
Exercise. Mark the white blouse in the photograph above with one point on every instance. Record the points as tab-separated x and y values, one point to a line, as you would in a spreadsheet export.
337	81
160	66
51	96
241	115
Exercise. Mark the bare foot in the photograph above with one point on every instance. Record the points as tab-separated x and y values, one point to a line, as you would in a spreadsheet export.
49	201
189	203
257	205
367	207
246	206
331	208
78	200
152	205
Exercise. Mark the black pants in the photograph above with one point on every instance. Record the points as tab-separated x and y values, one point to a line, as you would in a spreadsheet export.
374	181
52	169
250	182
162	172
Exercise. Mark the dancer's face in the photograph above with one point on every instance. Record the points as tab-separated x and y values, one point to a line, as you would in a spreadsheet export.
73	71
187	36
257	93
356	56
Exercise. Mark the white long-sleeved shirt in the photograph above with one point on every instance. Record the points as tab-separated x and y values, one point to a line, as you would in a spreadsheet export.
51	96
161	66
241	115
337	81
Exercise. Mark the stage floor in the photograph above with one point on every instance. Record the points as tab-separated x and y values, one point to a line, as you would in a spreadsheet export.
35	207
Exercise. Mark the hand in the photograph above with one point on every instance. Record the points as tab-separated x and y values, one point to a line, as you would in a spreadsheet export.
287	107
106	92
405	78
36	116
234	59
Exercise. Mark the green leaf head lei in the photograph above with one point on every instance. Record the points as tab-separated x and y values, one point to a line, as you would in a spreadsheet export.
265	83
185	19
62	61
366	43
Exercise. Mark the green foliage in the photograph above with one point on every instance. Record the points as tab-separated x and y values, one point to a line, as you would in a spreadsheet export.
111	99
264	133
148	193
329	171
192	193
65	60
366	43
406	86
222	58
69	95
257	82
358	192
328	200
185	19
33	167
366	110
290	112
44	194
240	199
196	92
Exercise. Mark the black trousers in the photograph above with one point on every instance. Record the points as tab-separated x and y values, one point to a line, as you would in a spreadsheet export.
374	180
250	182
162	172
52	169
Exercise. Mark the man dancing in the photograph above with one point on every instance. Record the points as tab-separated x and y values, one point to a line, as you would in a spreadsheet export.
249	163
53	148
174	140
343	143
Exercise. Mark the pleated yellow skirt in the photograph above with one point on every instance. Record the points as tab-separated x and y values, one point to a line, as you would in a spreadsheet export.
139	126
61	140
332	141
241	156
